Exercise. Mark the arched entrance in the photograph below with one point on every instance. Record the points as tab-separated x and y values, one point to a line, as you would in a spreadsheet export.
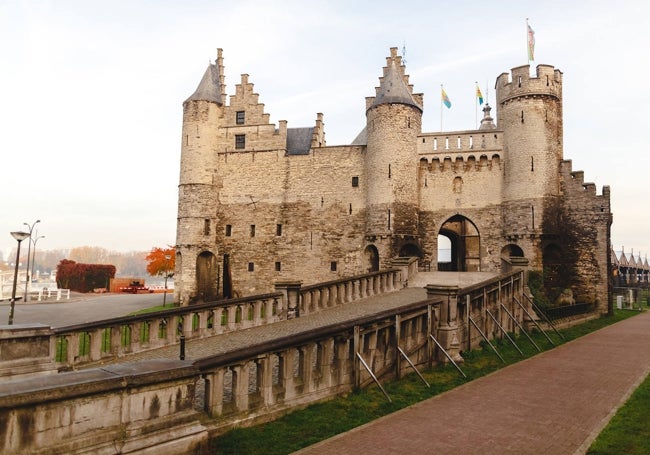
371	259
206	276
465	243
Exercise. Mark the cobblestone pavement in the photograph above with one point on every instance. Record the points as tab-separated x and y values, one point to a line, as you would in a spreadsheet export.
554	403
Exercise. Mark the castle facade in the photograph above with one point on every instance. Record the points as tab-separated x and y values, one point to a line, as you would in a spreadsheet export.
261	203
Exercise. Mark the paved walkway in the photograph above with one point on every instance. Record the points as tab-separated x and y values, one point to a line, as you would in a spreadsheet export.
554	403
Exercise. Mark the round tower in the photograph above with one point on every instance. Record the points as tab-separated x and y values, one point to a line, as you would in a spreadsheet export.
530	115
203	113
394	121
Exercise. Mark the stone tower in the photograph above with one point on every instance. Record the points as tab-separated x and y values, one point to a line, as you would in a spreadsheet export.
394	121
530	115
530	111
203	112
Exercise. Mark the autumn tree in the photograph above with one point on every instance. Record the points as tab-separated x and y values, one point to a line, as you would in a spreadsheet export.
161	261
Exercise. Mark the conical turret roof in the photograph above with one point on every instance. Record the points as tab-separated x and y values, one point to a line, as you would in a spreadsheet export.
392	87
209	88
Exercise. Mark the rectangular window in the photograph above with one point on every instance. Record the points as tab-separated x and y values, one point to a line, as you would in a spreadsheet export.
240	141
206	227
240	117
333	266
252	230
251	266
278	229
355	181
278	266
228	230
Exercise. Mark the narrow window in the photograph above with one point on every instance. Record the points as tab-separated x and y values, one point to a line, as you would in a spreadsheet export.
424	140
228	230
435	143
389	171
350	209
389	219
333	266
532	164
446	143
408	122
252	230
206	227
458	142
240	141
278	229
355	181
240	116
251	267
471	142
519	81
522	116
278	266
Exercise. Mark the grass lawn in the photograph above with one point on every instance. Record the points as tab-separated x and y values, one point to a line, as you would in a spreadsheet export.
629	430
323	420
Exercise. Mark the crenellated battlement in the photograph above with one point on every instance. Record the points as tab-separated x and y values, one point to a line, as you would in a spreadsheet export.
574	181
547	81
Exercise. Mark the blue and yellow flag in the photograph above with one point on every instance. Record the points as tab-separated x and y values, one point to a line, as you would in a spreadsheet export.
445	98
479	95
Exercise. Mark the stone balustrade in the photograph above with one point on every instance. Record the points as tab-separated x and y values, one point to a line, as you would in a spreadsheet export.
338	292
96	341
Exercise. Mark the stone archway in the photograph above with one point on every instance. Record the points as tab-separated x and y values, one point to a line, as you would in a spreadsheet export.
512	251
206	276
371	259
465	245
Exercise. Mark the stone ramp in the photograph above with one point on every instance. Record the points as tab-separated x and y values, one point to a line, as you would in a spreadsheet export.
460	279
554	403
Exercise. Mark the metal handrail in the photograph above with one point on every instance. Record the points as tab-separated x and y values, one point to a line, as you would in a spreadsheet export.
520	327
505	332
412	366
374	377
486	339
447	354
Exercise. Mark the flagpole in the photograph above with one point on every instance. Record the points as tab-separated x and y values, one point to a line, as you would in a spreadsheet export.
527	46
475	106
441	107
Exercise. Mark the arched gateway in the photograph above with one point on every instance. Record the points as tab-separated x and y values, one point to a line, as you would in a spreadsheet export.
465	245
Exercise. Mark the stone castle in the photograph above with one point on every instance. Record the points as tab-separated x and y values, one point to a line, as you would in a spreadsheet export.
261	203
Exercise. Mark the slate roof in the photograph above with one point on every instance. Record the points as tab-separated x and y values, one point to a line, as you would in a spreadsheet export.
209	88
393	89
299	140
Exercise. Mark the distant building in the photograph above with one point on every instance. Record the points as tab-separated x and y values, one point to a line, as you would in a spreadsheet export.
260	203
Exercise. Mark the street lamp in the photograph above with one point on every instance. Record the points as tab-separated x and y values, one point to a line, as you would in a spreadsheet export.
19	236
29	251
167	258
34	240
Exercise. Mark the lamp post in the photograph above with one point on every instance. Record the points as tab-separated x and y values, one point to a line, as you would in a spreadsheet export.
167	258
29	252
34	240
19	236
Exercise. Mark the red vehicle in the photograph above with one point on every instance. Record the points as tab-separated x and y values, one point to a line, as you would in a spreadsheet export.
135	287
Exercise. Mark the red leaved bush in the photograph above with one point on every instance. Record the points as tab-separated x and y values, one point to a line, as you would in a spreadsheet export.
83	277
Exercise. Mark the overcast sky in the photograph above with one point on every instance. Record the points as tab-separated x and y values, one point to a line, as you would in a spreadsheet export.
91	94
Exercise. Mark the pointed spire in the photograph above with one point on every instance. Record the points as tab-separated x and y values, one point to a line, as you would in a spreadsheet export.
393	87
211	87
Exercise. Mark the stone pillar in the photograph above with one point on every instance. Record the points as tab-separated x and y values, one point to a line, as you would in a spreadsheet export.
291	291
448	325
26	350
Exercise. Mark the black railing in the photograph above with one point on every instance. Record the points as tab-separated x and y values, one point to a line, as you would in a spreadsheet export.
569	310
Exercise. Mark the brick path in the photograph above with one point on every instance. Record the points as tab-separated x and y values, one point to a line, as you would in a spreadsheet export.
554	403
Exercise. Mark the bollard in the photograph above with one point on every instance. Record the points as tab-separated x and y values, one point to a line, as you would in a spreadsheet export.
182	347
